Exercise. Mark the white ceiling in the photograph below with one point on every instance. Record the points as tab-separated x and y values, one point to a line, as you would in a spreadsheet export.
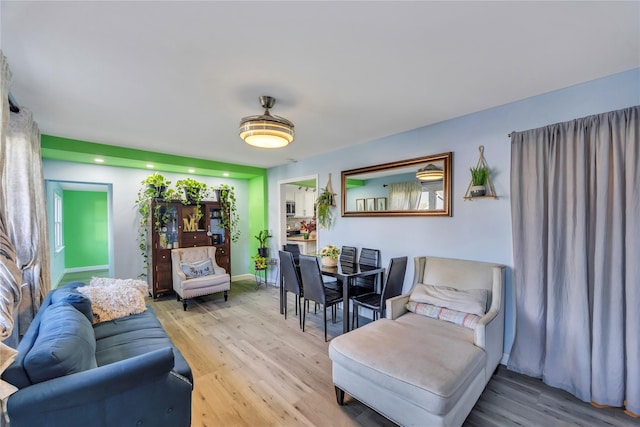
176	77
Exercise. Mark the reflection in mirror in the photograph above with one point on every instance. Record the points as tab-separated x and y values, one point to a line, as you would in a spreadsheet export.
420	186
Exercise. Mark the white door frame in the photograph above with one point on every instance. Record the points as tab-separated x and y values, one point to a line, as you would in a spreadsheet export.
282	209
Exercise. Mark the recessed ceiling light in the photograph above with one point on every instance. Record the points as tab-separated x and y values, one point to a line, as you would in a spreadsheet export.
192	171
150	166
225	174
98	160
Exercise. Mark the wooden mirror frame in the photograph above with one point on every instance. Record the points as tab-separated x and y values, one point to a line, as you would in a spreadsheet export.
411	165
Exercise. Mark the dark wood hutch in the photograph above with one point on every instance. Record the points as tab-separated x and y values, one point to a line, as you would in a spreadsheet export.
181	226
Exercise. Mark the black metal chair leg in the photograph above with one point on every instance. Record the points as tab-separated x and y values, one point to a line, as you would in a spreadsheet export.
324	321
303	314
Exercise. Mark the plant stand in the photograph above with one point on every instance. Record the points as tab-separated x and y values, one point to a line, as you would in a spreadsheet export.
491	192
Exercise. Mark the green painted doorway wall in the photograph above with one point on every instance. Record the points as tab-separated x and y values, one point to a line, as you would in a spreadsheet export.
85	228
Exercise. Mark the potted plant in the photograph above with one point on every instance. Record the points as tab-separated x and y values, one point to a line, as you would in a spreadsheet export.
330	254
154	186
479	176
259	262
263	242
193	193
323	205
230	218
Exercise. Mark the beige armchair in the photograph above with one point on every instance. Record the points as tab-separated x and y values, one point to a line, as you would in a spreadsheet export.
205	279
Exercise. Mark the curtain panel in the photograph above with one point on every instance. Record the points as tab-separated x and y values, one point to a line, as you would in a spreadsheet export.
404	196
24	249
575	192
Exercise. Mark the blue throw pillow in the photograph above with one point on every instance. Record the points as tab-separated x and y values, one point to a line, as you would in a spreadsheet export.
66	344
79	301
197	269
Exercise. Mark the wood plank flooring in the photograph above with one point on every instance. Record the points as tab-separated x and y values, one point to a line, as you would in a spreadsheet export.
254	368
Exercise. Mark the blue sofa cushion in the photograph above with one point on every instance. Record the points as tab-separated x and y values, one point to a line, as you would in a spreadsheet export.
79	301
65	344
134	335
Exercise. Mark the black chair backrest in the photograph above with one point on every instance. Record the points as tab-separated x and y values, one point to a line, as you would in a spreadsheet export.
370	257
294	249
395	279
312	279
348	255
290	278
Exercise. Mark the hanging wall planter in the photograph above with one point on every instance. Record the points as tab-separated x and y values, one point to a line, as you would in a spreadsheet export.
324	203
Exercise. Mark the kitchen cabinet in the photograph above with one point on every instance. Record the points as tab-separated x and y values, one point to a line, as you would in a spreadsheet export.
309	204
299	199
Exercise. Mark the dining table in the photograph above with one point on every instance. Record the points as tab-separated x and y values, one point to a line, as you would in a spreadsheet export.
347	274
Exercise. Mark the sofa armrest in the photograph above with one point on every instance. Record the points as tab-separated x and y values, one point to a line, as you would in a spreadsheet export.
489	332
107	395
219	270
396	306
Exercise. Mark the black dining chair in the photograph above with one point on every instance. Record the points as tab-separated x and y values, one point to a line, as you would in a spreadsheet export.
293	249
392	287
290	281
314	290
371	258
348	255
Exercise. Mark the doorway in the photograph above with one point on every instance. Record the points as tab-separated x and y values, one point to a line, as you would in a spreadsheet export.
80	230
297	211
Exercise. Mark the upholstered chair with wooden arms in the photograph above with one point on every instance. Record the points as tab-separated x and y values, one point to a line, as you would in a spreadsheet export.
196	273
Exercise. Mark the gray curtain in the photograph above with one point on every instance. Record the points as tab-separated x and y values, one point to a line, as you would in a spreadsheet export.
404	196
575	202
23	223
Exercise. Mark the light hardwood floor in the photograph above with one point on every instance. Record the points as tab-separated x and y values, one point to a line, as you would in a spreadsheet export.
254	368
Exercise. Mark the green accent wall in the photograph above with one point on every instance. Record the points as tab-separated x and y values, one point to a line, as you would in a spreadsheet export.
258	219
85	228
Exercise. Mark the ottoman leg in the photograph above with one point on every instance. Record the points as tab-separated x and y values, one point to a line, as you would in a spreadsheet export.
226	295
339	395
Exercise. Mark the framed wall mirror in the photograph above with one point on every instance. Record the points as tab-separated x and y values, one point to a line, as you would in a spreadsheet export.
414	187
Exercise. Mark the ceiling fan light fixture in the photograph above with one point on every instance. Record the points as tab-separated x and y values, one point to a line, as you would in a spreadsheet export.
430	172
266	131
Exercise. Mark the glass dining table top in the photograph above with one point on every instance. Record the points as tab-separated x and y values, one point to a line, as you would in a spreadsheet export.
347	273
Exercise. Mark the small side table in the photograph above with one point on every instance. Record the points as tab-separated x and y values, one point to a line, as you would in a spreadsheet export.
261	277
262	274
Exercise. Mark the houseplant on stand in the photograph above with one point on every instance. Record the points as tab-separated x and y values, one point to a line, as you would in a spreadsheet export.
479	176
263	243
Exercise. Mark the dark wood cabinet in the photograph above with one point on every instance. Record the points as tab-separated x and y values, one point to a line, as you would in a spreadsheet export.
175	225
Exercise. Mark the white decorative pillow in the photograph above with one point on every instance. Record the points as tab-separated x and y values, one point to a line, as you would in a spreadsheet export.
115	298
467	320
468	301
197	269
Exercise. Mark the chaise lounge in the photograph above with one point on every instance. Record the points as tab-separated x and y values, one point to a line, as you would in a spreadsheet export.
429	366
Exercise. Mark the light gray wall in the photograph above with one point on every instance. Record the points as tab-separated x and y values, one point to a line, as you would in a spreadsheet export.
479	229
127	261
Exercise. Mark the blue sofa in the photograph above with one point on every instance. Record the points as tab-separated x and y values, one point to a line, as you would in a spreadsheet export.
123	372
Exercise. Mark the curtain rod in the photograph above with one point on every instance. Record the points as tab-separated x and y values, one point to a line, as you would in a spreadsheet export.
13	104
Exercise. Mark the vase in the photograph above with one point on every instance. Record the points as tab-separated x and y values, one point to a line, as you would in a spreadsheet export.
478	190
329	262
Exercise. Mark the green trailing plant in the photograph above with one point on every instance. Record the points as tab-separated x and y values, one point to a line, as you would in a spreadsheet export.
323	205
193	193
153	187
230	217
479	175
